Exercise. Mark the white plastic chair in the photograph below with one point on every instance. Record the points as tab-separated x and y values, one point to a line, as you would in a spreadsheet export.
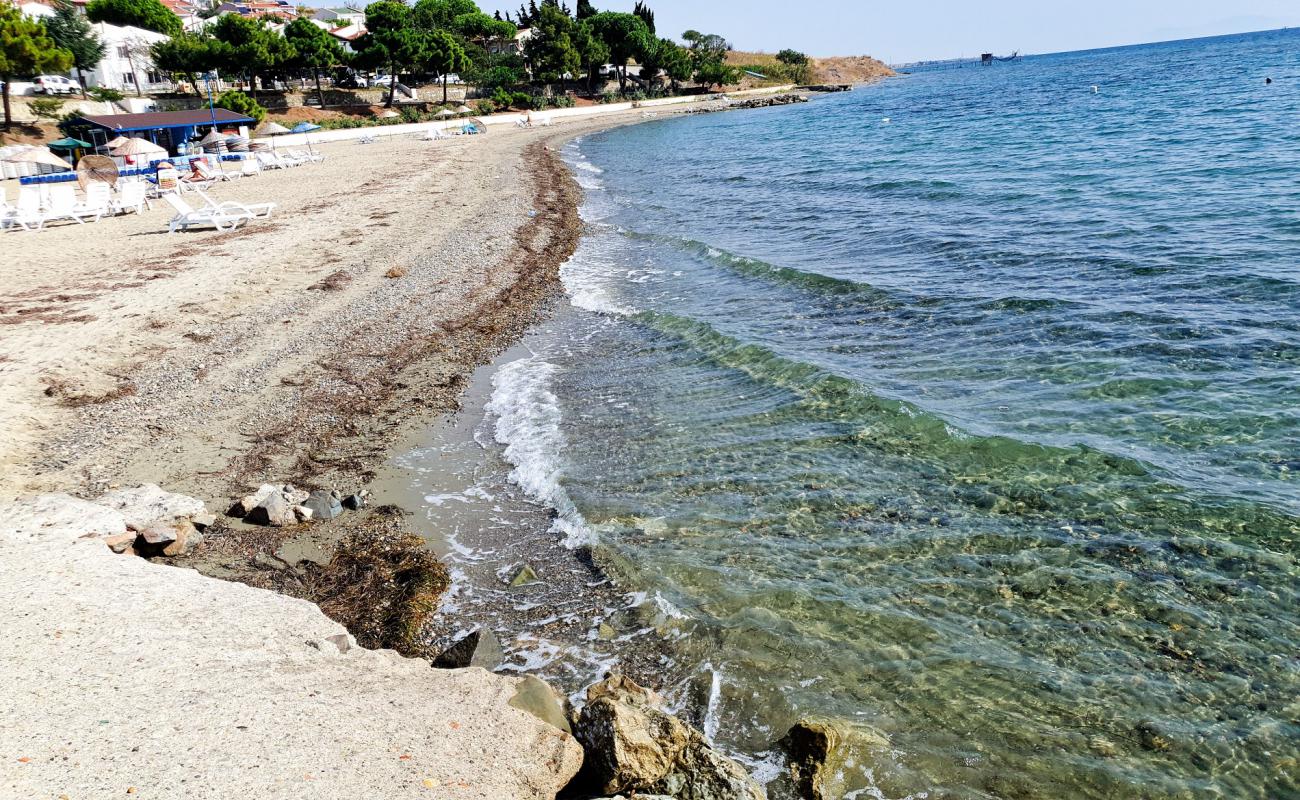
26	213
63	203
130	197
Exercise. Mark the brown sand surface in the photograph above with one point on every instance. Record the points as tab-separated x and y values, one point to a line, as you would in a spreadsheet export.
205	361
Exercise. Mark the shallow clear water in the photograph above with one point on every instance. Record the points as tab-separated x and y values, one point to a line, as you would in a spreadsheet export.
978	426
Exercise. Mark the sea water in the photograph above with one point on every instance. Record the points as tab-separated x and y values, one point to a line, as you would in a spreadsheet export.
963	409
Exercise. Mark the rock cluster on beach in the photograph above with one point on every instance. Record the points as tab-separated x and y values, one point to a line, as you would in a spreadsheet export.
774	100
144	520
280	506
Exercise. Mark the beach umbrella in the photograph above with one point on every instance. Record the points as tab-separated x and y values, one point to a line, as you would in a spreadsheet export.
213	142
96	168
37	155
306	127
68	143
464	110
446	112
138	147
118	142
389	114
273	129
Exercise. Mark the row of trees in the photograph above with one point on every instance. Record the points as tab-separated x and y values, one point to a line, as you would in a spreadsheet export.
432	37
566	45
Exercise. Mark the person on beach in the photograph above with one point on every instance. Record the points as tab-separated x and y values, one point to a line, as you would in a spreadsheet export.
528	118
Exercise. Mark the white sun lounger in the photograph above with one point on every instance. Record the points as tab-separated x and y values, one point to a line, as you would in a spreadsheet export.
186	216
313	157
252	210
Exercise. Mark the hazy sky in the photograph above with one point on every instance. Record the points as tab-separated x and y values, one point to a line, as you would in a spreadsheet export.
897	31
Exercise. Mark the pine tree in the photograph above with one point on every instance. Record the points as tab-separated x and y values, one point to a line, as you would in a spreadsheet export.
71	31
647	16
586	9
25	49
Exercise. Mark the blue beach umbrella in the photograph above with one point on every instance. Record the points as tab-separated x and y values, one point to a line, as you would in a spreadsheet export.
305	127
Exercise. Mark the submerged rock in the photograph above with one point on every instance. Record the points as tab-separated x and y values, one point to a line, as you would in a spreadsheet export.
818	750
522	576
536	696
633	745
460	654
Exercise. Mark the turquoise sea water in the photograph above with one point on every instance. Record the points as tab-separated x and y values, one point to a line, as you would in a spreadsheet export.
965	408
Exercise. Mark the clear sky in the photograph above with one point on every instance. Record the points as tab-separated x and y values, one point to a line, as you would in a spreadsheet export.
899	30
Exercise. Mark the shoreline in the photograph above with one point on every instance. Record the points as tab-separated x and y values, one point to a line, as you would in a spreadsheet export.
198	388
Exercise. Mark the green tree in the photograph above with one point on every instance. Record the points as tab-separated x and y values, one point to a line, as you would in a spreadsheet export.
552	50
668	57
708	53
314	50
592	52
443	55
480	27
647	16
796	65
586	9
433	14
148	14
392	40
188	55
626	36
25	49
713	73
243	45
71	31
240	103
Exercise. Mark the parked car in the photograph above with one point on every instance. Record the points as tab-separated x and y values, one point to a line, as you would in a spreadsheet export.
56	84
353	82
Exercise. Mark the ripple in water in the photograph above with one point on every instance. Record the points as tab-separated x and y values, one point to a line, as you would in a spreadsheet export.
977	431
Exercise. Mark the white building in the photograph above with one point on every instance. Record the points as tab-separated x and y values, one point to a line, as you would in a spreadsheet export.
126	65
340	17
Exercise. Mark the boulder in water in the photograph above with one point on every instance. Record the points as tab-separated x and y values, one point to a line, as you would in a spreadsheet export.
634	745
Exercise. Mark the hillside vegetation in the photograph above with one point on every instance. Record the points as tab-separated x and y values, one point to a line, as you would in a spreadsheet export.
838	69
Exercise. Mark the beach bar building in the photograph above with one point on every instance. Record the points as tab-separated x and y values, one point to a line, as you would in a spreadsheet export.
172	130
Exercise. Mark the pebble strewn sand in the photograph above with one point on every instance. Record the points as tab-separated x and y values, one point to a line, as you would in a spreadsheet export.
129	355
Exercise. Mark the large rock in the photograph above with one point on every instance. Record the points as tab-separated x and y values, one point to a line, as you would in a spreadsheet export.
246	505
273	510
633	745
313	718
818	751
58	517
149	505
323	505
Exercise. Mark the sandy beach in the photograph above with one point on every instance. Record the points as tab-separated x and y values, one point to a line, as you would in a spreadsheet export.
130	354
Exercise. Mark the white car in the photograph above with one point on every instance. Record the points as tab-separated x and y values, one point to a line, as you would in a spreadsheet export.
56	84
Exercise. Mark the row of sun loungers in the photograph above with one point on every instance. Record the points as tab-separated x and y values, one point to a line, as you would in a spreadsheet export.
38	205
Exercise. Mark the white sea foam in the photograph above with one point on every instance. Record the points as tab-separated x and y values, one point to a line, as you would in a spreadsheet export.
528	420
711	711
592	276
